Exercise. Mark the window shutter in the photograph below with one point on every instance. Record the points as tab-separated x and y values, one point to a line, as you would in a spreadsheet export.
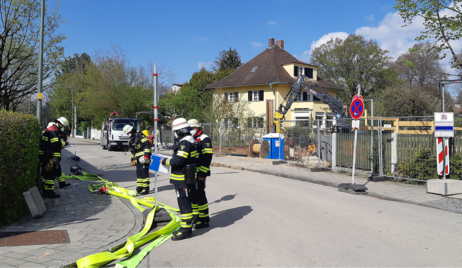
296	71
250	95
305	96
226	97
236	96
309	72
260	95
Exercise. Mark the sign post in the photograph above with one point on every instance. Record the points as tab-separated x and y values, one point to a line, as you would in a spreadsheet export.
356	111
444	129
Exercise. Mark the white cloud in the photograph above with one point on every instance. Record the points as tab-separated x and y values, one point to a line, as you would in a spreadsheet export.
322	40
370	17
397	40
204	64
256	44
391	36
271	22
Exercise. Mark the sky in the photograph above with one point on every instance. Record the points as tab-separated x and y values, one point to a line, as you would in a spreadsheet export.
187	35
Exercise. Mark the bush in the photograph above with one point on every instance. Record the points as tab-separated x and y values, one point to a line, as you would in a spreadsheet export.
424	166
19	144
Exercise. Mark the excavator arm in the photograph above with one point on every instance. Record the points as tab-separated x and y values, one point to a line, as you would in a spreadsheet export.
295	91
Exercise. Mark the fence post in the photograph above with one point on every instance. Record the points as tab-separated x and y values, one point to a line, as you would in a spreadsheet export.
334	150
394	152
380	147
319	146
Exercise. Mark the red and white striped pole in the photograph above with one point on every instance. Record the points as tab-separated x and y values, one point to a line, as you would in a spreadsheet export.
155	106
443	156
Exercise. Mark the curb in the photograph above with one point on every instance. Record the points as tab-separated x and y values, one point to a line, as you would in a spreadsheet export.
116	244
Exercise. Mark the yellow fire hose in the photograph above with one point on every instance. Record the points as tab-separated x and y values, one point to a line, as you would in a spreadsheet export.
135	241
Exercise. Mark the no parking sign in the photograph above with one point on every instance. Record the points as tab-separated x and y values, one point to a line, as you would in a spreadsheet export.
357	107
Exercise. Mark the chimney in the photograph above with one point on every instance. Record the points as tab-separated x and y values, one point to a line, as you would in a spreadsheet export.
271	42
280	43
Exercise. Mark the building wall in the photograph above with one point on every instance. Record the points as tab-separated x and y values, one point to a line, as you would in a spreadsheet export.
277	94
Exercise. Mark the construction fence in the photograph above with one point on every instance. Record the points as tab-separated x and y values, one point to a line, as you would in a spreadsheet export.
402	148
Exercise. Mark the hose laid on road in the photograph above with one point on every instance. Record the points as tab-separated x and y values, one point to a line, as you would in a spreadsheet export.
135	241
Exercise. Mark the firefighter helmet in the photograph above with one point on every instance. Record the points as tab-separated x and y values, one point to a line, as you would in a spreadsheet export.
63	121
50	124
179	123
194	123
127	129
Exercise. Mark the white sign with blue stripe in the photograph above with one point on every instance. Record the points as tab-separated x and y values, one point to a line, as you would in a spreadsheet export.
444	125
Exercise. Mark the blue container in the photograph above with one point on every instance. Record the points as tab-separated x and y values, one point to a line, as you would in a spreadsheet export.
276	142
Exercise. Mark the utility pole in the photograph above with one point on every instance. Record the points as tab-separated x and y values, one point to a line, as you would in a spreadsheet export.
40	66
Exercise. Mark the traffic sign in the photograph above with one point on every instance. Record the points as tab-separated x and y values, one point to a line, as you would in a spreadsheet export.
444	125
357	107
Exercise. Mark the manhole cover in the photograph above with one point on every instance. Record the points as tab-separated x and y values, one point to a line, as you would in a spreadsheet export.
12	239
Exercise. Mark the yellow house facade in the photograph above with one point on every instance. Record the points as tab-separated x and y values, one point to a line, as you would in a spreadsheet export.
265	80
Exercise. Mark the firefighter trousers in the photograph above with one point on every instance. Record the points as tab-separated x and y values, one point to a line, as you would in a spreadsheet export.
199	202
142	177
185	206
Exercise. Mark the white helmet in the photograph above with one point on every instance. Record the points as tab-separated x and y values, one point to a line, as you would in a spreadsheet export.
194	123
63	121
50	124
127	129
179	123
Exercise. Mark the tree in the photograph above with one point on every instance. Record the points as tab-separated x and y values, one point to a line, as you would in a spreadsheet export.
420	67
442	21
352	62
402	100
227	60
69	83
19	47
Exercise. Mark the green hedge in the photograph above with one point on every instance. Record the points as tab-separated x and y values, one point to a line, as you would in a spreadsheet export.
19	143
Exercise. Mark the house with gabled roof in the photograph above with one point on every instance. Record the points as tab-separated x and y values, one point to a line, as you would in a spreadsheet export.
267	78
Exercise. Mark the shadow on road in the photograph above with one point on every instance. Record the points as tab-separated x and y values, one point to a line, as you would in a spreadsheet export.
224	198
225	218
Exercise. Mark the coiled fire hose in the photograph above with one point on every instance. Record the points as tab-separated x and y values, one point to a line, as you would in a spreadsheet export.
135	241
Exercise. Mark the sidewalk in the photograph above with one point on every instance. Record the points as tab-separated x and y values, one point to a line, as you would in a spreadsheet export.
96	223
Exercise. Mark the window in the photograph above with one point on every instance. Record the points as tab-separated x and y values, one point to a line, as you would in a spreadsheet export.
302	119
303	97
255	122
254	69
231	96
256	95
301	70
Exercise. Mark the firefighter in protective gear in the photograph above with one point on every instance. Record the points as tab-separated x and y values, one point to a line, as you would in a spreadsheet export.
50	155
199	202
183	174
140	148
63	140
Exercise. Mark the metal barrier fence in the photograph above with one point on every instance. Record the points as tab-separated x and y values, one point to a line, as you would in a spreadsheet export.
402	148
229	135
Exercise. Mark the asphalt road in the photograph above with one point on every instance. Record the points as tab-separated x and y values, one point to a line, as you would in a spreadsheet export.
264	220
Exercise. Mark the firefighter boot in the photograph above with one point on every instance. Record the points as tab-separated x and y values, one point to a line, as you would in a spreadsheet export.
139	189
144	191
201	225
181	234
63	184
